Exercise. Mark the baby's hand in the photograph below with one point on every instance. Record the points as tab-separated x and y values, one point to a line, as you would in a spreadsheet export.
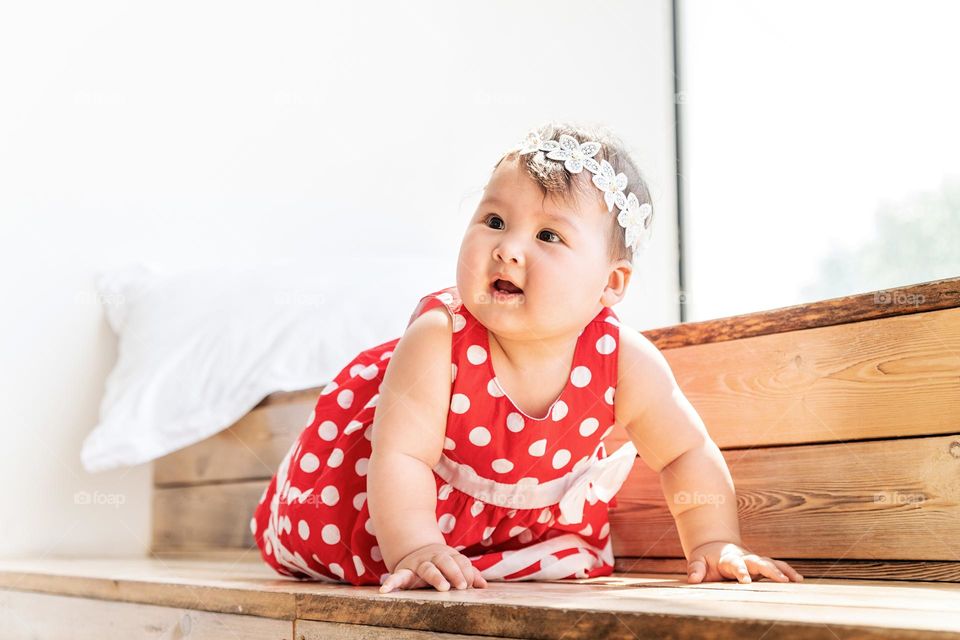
714	561
434	565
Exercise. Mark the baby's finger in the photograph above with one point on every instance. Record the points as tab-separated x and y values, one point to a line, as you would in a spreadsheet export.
737	569
466	567
479	582
432	576
765	567
790	571
451	570
397	580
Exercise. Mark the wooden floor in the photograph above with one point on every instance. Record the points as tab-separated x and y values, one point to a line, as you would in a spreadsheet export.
173	598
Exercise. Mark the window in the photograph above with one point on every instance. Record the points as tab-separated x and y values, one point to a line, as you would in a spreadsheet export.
819	149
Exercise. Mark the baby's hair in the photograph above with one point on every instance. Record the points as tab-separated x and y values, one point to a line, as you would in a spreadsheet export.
553	178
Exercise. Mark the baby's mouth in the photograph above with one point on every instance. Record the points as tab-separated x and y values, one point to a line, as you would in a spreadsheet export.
505	286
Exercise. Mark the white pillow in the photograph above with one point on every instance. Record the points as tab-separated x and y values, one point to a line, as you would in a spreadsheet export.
198	350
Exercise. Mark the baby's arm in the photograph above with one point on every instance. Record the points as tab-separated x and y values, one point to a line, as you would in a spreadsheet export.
672	440
408	436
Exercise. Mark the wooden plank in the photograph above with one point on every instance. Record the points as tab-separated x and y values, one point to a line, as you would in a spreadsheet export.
625	606
249	449
205	516
42	616
247	588
885	378
884	303
921	571
316	630
878	500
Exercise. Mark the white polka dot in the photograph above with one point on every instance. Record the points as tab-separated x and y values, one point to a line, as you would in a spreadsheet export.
449	443
370	371
330	388
525	536
459	322
253	526
606	344
263	496
385	355
588	426
604	530
608	395
538	448
293	494
580	376
444	492
447	522
446	298
269	548
487	532
303	529
544	516
368	527
313	416
559	410
375	554
372	402
335	569
511	513
309	463
345	398
480	436
587	530
515	422
607	432
494	389
353	425
358	565
336	458
502	465
459	403
368	432
358	500
453	371
303	496
330	495
612	321
355	369
331	535
476	508
361	466
581	463
560	459
327	430
476	354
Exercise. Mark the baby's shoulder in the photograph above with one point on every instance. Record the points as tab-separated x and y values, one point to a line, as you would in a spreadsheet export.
642	374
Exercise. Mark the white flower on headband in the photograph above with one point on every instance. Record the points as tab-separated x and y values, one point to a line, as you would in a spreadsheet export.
635	218
575	155
612	184
530	144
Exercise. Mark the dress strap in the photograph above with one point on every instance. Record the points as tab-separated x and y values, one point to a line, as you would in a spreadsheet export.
448	297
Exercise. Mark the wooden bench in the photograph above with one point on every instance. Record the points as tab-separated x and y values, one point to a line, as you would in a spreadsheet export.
839	421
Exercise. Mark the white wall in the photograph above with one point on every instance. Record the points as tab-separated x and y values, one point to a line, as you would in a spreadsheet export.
196	133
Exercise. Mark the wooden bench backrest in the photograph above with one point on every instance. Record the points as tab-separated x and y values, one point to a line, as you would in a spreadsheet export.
839	421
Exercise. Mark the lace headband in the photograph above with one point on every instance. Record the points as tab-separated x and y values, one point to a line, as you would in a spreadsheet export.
633	216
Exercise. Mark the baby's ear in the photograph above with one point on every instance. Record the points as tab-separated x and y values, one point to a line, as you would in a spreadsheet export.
617	282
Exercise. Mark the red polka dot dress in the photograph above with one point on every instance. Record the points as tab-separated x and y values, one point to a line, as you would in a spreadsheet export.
524	497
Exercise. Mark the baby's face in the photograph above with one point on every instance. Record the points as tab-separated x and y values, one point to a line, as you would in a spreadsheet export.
555	252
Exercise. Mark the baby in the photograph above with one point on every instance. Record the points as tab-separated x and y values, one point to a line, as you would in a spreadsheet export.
471	448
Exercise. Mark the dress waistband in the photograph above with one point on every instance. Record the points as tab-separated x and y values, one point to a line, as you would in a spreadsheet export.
600	478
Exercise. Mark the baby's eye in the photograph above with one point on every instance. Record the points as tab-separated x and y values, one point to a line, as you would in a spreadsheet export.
491	217
494	216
